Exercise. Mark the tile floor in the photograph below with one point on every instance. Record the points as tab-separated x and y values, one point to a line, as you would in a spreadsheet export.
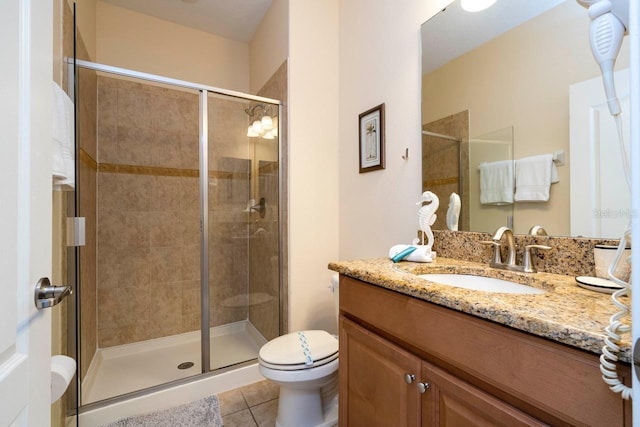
250	406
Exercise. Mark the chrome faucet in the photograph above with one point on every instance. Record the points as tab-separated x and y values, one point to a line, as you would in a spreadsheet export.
510	263
511	243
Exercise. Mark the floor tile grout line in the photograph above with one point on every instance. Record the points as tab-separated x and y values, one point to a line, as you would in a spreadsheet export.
249	407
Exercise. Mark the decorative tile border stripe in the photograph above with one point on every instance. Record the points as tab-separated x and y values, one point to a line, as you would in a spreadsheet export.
174	172
87	159
160	171
441	181
147	170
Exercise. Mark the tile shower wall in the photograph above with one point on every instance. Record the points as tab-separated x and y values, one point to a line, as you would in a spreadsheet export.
148	211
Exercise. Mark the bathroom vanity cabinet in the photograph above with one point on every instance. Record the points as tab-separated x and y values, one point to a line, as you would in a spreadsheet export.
408	362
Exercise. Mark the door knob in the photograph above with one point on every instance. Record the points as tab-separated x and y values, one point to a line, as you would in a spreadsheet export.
423	387
47	295
409	378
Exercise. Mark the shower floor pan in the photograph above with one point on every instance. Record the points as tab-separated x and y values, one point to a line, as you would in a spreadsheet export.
122	369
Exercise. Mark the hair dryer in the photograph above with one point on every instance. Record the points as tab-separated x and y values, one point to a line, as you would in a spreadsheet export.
609	22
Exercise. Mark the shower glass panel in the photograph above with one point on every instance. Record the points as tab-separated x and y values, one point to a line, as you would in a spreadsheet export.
243	230
140	319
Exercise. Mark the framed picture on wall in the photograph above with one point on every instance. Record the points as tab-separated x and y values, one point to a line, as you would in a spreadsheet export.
371	127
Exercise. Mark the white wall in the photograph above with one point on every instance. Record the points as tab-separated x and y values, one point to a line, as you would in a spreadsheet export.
86	22
380	63
269	45
144	43
313	159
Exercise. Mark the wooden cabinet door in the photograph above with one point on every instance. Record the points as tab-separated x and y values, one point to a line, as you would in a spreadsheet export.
373	389
451	402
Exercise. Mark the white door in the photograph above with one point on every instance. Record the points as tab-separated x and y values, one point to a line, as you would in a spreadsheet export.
25	209
602	207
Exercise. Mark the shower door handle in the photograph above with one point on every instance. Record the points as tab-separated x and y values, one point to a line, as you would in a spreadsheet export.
47	295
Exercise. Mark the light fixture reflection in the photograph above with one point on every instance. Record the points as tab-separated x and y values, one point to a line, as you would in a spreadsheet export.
257	127
251	133
267	123
476	5
262	123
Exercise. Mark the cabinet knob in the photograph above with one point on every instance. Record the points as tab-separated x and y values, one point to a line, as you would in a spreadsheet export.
423	387
409	378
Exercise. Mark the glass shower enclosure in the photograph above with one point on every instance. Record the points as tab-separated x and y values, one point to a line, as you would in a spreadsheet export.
180	275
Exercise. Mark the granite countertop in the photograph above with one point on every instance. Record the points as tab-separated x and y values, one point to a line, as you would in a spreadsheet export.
566	313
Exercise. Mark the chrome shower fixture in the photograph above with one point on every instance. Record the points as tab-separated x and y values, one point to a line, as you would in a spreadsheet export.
260	207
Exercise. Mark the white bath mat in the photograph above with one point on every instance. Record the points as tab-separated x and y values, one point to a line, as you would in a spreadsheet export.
200	413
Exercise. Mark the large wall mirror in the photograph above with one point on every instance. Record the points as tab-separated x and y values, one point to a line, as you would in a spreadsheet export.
515	81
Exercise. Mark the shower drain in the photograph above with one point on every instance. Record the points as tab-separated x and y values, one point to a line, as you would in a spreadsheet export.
185	365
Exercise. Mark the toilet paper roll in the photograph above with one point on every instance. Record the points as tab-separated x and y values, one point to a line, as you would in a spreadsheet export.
62	370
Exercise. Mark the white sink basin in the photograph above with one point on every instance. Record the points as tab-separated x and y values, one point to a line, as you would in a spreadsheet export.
479	283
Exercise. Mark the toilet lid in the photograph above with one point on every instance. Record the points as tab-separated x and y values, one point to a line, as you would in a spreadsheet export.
306	348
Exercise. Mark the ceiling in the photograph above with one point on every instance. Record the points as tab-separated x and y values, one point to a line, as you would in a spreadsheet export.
231	19
443	41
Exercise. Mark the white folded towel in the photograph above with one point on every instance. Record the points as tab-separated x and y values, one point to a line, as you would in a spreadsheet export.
496	182
534	176
63	167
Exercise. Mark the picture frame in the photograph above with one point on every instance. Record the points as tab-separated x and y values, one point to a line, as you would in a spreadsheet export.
371	139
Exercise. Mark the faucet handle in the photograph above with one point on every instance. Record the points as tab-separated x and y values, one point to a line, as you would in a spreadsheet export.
497	257
527	264
537	230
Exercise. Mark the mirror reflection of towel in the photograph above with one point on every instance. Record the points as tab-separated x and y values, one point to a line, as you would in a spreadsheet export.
534	176
496	183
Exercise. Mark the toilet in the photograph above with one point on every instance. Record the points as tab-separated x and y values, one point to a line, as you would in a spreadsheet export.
304	364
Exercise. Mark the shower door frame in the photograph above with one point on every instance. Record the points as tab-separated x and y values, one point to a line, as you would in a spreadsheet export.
204	91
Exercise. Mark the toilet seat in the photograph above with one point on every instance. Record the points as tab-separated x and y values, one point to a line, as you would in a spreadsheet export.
299	350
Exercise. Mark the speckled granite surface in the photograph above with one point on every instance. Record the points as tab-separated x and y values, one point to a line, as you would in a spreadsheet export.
565	313
568	255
